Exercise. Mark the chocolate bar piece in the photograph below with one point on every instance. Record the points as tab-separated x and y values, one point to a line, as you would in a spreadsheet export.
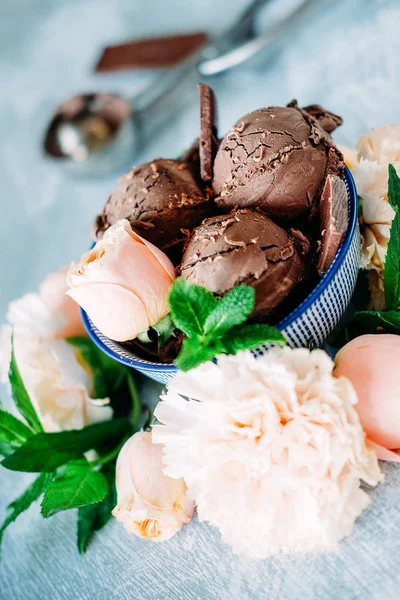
150	53
334	220
208	131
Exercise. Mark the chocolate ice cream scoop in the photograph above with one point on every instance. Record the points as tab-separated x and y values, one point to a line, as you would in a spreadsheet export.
247	247
163	200
275	159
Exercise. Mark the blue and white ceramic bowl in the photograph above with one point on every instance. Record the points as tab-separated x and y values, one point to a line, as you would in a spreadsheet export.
308	325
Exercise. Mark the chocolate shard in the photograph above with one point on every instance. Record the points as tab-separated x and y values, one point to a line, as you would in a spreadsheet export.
327	120
302	242
152	53
208	131
244	246
333	219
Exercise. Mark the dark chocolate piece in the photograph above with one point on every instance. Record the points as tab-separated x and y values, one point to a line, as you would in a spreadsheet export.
247	247
327	120
163	200
334	220
208	131
152	53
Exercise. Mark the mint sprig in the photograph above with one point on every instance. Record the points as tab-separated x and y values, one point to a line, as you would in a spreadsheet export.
45	452
20	396
79	485
215	326
23	502
93	517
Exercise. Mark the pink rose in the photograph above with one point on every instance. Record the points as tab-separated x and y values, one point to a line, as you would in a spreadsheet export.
122	283
371	363
52	292
150	504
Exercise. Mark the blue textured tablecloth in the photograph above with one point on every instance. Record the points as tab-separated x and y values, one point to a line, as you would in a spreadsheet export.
346	58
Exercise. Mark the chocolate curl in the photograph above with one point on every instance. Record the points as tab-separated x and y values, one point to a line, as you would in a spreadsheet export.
152	53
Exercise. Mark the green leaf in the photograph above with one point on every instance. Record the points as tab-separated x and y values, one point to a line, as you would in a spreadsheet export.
6	448
78	486
375	321
246	337
394	188
392	260
108	374
233	309
20	396
190	306
12	430
48	451
193	352
94	517
24	501
135	399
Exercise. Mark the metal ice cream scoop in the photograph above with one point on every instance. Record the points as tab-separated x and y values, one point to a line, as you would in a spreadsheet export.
98	133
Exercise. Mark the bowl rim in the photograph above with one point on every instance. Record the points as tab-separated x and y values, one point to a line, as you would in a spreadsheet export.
145	365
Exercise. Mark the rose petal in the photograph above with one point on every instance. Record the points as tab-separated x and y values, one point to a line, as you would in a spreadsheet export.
383	453
160	256
115	311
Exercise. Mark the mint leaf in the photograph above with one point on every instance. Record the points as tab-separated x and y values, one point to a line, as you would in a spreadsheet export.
394	188
374	321
94	517
392	260
190	306
233	309
13	431
194	352
23	502
20	395
78	486
108	374
47	451
246	337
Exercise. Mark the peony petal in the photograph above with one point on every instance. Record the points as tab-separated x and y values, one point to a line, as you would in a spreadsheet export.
116	312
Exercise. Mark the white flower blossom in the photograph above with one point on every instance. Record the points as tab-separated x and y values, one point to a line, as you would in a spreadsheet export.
271	449
375	153
56	377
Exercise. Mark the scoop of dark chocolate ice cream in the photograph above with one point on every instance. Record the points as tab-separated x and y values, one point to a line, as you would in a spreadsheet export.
247	247
275	159
163	200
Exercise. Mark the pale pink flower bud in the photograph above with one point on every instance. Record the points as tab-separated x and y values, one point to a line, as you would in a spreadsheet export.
122	283
371	363
150	504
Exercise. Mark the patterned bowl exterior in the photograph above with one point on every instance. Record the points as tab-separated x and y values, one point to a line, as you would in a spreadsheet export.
307	325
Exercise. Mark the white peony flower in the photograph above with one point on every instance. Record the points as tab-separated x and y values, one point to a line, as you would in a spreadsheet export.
381	145
55	375
150	504
375	153
271	449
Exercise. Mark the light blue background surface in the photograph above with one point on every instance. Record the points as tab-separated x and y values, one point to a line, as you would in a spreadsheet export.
347	58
